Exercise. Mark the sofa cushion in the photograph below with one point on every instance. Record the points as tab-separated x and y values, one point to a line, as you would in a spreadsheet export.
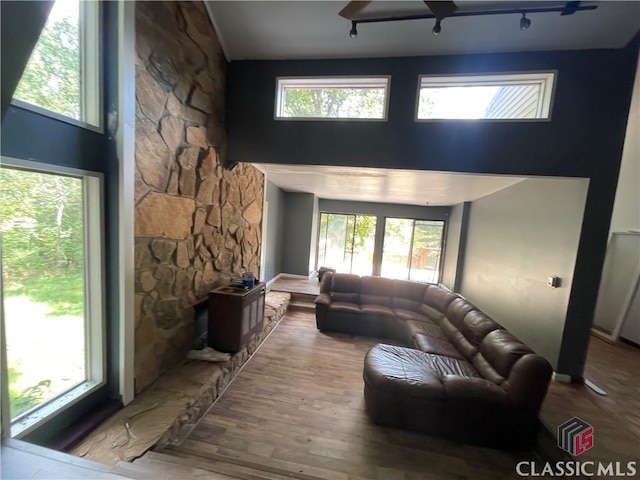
373	309
408	295
438	298
431	313
502	350
376	290
345	288
413	327
411	373
457	310
344	307
437	346
476	325
410	315
455	336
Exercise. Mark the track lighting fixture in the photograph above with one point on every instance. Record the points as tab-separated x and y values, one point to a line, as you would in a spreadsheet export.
354	31
437	28
569	9
524	22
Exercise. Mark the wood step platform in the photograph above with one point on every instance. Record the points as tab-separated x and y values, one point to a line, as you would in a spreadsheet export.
22	460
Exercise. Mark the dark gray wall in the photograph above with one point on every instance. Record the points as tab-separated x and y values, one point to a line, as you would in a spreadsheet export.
455	246
275	231
298	230
516	239
583	139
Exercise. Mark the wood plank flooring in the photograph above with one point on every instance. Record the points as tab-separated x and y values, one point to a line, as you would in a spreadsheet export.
615	417
298	406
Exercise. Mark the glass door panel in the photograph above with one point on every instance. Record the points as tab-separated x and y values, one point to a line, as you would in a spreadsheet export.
397	245
412	249
363	243
346	242
331	244
425	254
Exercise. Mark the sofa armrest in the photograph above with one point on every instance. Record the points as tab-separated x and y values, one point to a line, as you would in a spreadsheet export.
474	389
322	299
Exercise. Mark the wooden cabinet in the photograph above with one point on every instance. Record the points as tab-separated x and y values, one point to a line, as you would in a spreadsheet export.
236	313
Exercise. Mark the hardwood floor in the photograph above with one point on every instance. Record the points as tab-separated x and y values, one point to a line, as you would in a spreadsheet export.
615	417
298	407
296	410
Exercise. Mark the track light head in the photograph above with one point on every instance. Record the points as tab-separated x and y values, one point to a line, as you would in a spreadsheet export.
524	22
437	28
353	33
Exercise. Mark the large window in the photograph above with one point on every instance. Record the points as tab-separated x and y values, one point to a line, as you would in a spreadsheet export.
332	98
346	242
62	76
51	289
412	249
524	96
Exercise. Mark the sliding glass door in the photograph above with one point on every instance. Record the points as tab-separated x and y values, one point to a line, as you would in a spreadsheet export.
346	242
412	249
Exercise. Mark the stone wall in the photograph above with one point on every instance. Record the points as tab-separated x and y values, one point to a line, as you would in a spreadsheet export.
197	225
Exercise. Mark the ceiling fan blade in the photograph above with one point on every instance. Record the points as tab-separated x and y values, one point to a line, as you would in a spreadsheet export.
441	9
352	9
570	8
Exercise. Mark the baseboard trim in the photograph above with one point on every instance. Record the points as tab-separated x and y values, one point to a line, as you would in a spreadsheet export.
562	377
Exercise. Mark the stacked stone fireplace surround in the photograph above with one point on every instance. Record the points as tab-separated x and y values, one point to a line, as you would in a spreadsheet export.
197	225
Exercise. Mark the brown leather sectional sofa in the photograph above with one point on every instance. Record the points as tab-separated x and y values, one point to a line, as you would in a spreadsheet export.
464	376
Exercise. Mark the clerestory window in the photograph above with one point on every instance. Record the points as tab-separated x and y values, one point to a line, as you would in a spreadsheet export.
516	96
332	98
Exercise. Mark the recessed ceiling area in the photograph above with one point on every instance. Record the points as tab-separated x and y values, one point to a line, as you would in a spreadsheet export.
261	30
407	187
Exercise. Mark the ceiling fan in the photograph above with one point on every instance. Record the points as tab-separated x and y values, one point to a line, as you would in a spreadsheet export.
440	9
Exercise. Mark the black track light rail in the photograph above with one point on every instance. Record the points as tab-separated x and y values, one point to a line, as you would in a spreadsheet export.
513	11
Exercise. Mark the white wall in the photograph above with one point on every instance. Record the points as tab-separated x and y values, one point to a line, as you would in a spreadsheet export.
625	216
626	208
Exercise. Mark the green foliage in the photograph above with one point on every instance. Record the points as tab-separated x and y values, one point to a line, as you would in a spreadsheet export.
22	401
52	77
42	224
63	294
334	102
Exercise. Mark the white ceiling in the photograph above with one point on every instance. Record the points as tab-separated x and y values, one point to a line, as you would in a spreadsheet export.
261	30
408	187
312	29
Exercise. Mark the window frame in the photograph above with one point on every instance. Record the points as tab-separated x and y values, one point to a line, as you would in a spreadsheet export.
330	81
95	313
91	73
548	79
443	242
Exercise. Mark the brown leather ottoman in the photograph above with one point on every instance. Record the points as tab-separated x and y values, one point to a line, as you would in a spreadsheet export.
403	387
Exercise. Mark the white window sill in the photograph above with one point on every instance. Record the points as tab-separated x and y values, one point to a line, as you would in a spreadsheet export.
50	409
